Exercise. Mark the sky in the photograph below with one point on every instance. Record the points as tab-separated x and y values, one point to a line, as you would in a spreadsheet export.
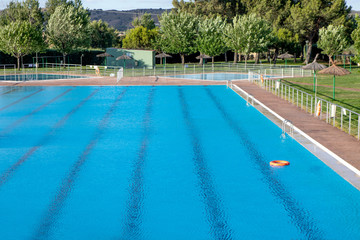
136	4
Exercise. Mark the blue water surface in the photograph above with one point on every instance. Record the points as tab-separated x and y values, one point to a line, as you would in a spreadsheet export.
159	163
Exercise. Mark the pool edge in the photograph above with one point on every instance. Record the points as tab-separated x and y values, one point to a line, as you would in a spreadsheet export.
344	169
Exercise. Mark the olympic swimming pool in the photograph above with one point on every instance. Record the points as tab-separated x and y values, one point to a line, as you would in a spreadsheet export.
39	76
159	163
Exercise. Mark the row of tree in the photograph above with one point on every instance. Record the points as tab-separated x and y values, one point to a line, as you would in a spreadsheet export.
210	27
294	23
65	26
213	27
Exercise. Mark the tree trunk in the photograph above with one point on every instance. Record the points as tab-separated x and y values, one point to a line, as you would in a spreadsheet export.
235	56
212	59
308	54
18	63
257	58
201	61
226	57
182	58
64	58
275	56
246	57
294	57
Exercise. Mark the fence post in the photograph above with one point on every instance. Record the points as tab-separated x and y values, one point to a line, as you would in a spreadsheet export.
341	120
349	122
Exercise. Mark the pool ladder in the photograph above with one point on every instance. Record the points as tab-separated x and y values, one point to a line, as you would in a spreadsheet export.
287	124
229	84
249	100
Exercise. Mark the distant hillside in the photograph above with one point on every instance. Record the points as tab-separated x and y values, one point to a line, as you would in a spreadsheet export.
121	20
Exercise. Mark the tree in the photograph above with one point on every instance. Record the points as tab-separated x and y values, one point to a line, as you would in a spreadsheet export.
356	38
68	29
21	25
233	32
178	33
285	40
274	11
51	5
211	8
102	35
145	21
248	33
139	38
210	39
309	16
332	40
20	38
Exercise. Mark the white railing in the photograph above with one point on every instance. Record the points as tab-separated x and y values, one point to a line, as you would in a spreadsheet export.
334	114
188	69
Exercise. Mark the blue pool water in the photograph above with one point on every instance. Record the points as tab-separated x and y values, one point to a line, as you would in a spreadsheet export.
39	76
215	76
159	163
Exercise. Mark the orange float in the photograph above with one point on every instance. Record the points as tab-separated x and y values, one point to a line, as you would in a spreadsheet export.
279	163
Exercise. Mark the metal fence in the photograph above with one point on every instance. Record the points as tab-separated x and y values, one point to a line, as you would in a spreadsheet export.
336	115
164	70
173	70
9	72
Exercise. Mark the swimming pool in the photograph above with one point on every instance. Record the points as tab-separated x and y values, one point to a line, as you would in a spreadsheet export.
39	76
159	163
216	76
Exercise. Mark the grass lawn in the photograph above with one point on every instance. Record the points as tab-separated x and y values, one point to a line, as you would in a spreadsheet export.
347	88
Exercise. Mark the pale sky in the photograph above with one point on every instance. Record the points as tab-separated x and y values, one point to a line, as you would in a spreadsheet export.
136	4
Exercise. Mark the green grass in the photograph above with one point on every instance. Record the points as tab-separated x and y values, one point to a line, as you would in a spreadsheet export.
347	98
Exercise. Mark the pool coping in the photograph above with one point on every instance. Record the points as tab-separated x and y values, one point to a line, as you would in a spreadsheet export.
332	160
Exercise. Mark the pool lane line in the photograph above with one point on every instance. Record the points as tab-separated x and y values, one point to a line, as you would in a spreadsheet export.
7	174
298	215
9	128
50	216
216	215
20	100
132	221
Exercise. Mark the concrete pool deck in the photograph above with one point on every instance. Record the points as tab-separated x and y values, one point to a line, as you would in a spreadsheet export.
340	143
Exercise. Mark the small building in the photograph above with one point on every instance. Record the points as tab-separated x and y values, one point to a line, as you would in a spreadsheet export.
139	58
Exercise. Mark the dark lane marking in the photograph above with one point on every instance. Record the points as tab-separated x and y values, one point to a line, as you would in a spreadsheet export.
131	228
21	99
9	128
11	90
5	176
299	216
215	212
50	217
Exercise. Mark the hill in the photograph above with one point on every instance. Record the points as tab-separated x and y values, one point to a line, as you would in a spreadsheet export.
121	20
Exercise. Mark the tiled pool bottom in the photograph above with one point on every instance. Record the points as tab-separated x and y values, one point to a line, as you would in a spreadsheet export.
159	163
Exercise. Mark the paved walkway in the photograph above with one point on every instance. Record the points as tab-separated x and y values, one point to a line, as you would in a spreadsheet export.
342	144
